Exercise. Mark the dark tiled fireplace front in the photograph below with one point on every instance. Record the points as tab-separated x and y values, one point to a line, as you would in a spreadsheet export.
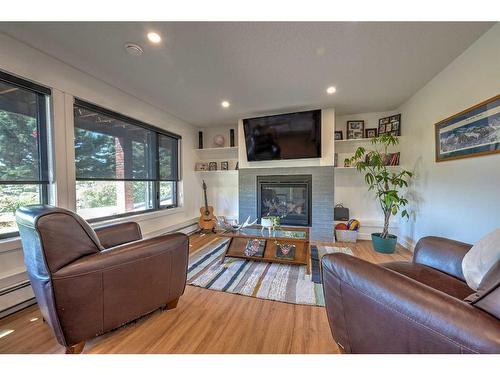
286	196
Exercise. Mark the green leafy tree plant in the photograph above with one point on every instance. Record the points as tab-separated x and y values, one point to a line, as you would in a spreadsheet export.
387	185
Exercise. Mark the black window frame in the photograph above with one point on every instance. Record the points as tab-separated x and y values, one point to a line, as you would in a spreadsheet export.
156	163
43	95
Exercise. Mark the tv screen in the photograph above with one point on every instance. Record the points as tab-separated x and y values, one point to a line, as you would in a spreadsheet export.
289	136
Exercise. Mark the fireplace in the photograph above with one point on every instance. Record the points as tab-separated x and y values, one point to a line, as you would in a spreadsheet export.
287	196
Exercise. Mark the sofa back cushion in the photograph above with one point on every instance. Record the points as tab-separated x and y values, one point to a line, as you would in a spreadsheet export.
481	258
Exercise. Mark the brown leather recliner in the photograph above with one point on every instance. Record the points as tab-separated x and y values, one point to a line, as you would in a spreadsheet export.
89	282
423	306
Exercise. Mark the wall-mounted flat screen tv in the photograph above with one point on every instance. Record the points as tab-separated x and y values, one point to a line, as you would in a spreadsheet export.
288	136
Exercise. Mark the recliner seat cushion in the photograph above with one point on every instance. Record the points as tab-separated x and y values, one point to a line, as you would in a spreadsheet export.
432	278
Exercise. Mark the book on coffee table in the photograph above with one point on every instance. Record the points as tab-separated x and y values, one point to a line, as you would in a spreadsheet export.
285	251
255	248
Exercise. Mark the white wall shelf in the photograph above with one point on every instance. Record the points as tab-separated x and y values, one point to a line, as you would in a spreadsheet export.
212	149
358	140
232	171
388	166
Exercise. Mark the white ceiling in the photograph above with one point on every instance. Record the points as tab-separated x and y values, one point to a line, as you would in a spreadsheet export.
258	67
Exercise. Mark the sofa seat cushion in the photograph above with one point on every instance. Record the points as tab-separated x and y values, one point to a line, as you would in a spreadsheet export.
432	278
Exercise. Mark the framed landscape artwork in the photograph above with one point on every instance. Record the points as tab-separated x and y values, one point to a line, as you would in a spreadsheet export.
355	129
472	132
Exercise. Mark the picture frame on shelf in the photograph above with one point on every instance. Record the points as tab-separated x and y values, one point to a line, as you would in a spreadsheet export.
371	133
212	166
355	129
390	125
224	165
201	166
470	133
338	135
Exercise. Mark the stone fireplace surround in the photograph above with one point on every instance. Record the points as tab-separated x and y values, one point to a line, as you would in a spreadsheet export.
322	196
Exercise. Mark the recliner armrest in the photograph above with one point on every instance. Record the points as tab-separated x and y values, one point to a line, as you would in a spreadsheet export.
118	234
374	309
442	254
118	255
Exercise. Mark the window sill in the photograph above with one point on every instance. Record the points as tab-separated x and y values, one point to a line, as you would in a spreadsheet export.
139	217
14	243
10	244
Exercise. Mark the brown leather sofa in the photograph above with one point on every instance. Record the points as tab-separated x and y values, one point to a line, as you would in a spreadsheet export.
423	306
89	282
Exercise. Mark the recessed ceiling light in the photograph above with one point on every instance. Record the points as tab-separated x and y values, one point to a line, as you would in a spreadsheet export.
225	104
154	37
133	49
331	90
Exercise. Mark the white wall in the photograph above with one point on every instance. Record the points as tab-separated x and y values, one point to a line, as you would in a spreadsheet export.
222	187
66	83
327	128
459	199
350	186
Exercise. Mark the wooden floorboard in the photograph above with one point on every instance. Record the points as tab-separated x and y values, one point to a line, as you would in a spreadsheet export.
204	321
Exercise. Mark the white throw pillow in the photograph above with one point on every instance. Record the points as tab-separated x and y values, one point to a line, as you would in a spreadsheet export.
480	258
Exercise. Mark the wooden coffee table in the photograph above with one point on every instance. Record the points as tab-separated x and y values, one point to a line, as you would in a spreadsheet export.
284	235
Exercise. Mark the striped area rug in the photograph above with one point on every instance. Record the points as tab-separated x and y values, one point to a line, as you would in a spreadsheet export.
273	281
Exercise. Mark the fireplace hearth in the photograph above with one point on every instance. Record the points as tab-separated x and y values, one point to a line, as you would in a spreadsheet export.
287	196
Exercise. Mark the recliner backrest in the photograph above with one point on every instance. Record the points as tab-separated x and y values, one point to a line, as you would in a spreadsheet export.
54	237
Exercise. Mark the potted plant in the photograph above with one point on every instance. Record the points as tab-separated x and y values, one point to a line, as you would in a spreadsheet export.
386	184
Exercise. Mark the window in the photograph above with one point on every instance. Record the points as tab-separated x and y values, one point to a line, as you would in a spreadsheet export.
123	166
24	175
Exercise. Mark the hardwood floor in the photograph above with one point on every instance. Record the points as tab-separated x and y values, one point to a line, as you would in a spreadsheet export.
204	321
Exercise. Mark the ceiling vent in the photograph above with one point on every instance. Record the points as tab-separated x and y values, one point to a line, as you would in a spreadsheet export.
133	49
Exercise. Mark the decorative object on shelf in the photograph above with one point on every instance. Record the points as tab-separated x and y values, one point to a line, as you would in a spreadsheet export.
270	222
219	140
231	137
255	248
338	135
390	159
285	250
233	226
336	160
201	166
371	133
340	213
224	165
200	140
347	163
355	129
387	186
212	166
390	125
472	132
207	218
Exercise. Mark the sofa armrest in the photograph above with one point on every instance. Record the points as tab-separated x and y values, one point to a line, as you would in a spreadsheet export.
372	309
118	234
442	254
126	253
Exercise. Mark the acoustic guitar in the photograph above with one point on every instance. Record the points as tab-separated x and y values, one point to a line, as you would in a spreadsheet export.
207	219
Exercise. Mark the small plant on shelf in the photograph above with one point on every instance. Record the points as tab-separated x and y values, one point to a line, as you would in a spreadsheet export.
387	185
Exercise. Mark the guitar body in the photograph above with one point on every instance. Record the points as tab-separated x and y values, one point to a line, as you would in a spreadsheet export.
207	218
